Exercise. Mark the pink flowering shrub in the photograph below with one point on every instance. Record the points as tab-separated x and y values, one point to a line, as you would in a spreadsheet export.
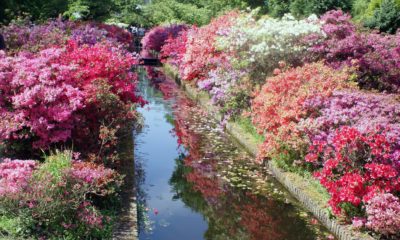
39	95
58	197
383	213
36	37
14	175
57	94
277	107
174	49
360	110
33	38
201	53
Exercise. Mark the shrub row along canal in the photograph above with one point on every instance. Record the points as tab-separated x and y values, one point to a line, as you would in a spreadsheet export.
195	183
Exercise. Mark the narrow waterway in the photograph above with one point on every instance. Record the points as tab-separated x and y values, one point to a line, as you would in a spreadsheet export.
194	183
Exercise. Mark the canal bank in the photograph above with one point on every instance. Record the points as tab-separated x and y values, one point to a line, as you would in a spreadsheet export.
303	189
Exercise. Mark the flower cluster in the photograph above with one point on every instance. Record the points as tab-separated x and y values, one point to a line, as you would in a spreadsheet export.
260	45
156	38
356	167
174	49
53	92
201	54
318	112
36	37
375	55
277	107
361	110
14	175
383	214
56	195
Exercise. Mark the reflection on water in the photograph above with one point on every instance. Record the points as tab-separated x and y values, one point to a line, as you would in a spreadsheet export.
194	183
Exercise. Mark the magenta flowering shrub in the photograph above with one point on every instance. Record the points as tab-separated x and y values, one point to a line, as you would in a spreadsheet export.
33	38
376	56
50	96
63	84
14	175
155	39
40	95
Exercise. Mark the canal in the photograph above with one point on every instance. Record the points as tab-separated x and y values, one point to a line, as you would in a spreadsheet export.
194	182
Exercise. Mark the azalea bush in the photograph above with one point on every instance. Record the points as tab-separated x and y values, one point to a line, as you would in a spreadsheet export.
58	198
258	46
81	87
174	49
357	168
360	110
27	36
63	85
277	106
155	39
375	55
201	53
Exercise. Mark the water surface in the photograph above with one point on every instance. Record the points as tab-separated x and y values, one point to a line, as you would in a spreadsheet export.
195	183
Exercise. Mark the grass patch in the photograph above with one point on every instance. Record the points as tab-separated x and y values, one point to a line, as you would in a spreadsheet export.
248	127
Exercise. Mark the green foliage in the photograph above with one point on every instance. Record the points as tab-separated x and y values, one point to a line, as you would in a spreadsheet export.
386	17
278	8
304	8
359	10
87	9
55	164
37	9
172	11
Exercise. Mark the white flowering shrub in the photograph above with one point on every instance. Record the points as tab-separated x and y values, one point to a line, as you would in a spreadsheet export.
260	44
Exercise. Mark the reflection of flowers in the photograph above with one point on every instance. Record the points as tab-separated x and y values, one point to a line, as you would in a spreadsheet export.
196	181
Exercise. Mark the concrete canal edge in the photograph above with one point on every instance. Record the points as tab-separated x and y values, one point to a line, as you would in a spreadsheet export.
294	183
126	226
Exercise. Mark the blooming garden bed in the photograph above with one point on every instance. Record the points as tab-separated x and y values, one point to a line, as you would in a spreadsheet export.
63	85
329	106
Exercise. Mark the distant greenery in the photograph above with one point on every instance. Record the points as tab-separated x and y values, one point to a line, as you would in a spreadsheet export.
135	12
302	8
383	15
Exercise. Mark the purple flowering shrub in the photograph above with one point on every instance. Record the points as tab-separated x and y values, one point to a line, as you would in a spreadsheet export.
33	38
376	57
360	110
36	37
58	195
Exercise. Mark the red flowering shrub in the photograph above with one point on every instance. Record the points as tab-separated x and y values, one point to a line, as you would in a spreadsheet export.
356	168
201	53
278	106
174	49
